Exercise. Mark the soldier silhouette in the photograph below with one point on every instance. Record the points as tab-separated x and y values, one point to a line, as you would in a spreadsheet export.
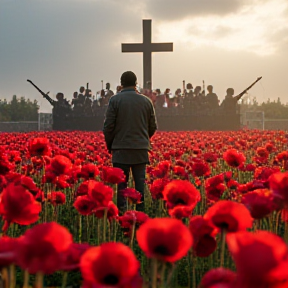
212	98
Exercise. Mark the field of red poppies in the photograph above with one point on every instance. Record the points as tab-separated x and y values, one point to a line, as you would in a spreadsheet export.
215	212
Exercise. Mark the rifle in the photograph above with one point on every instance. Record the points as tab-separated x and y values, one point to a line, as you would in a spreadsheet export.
184	92
238	97
203	92
45	95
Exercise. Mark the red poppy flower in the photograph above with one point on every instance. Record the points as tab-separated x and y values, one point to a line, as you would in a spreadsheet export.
203	233
180	212
162	169
283	156
210	157
180	171
181	193
84	205
59	165
261	259
109	265
113	175
278	183
7	251
89	171
131	217
133	196
250	168
259	202
82	189
157	187
73	255
112	211
61	181
5	165
234	158
269	147
263	173
164	238
219	277
230	216
39	147
215	187
18	205
200	169
57	198
42	248
28	184
181	163
3	182
99	193
262	152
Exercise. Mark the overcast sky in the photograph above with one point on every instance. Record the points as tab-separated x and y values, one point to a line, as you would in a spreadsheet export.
63	44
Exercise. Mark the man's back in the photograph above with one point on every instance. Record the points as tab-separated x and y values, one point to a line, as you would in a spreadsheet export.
130	121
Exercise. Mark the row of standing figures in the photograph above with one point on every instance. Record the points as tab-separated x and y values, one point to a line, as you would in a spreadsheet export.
189	99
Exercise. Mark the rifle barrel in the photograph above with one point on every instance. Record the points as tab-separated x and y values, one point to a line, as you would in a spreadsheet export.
48	98
243	92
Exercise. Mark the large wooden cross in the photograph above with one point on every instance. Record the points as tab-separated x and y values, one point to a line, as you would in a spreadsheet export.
147	47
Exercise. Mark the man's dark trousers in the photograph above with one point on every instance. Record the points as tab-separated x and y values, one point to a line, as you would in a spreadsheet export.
138	173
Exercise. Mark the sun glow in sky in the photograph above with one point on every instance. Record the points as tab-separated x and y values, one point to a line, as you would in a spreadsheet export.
63	44
251	29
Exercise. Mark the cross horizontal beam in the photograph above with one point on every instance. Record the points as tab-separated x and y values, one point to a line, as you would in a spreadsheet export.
147	48
153	47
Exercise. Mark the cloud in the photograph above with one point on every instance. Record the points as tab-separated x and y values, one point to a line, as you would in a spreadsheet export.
61	45
246	30
167	10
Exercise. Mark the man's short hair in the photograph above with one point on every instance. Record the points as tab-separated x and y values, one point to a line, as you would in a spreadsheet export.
128	78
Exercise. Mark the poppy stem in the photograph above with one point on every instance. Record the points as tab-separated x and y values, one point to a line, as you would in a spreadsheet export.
64	279
286	232
115	194
39	280
154	273
105	224
170	276
278	214
26	279
194	264
5	277
80	229
115	229
222	251
162	275
12	276
132	235
109	230
98	231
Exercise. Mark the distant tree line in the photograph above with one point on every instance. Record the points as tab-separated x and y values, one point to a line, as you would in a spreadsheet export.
272	109
18	109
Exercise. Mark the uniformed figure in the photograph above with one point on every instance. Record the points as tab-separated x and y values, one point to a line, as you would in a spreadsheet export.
212	98
108	94
229	104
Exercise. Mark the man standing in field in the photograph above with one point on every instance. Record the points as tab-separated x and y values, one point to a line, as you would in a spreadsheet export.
129	124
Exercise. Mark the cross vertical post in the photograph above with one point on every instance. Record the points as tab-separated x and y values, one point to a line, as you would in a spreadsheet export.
147	47
147	55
